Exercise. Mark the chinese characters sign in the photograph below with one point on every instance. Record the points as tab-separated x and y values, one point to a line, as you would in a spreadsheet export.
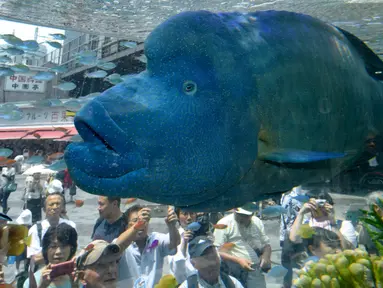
35	116
24	83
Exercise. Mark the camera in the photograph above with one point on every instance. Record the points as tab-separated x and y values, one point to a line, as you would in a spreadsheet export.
320	202
205	225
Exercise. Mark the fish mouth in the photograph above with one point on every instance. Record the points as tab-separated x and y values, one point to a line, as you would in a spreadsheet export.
107	151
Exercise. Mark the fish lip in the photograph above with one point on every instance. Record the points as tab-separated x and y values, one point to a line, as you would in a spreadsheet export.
104	138
106	132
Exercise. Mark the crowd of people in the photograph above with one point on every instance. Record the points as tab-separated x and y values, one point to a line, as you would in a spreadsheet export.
229	249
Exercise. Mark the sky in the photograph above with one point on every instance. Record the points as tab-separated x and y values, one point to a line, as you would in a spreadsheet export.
26	31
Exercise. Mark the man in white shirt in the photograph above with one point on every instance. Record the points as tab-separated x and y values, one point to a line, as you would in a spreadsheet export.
205	259
247	235
53	207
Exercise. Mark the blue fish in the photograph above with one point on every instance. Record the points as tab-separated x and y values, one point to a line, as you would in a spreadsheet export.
66	86
54	44
253	207
44	76
5	59
59	69
5	71
58	165
311	258
35	160
29	45
128	44
13	51
194	226
301	198
13	115
106	65
5	152
226	102
11	39
277	272
274	211
58	36
96	74
20	68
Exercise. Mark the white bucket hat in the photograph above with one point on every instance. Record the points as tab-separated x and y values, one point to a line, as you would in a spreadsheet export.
55	186
243	211
25	218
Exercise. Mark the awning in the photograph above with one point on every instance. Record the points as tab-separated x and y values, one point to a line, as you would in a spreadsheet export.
9	135
39	134
36	133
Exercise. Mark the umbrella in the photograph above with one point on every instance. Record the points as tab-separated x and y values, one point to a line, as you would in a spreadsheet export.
5	152
34	160
58	165
38	169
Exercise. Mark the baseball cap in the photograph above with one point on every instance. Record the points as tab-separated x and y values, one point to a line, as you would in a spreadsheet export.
243	211
198	245
99	251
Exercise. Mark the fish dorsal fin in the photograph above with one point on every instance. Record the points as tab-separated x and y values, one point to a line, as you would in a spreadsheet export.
374	65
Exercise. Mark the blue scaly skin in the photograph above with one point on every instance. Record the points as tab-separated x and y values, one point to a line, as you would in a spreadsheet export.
231	108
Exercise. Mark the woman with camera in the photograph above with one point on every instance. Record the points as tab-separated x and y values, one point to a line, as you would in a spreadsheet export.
323	216
59	245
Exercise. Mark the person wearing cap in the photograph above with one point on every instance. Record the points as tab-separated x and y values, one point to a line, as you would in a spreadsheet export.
149	250
251	252
33	196
101	258
54	205
59	245
205	259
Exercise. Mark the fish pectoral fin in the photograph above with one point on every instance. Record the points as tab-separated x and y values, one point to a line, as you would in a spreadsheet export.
374	65
298	156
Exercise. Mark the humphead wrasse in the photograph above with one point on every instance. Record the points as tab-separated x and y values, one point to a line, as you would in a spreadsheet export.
232	108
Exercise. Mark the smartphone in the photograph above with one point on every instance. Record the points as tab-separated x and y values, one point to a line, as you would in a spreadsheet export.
65	268
320	202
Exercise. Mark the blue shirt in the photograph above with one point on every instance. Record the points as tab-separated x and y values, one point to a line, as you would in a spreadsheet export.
150	262
103	230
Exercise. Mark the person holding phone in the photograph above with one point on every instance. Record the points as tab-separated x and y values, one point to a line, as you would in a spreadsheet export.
59	245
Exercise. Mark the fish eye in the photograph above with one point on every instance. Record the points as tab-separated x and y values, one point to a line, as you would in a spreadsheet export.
190	87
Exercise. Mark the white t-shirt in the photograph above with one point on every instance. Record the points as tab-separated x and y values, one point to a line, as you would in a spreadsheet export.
35	246
246	239
5	174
